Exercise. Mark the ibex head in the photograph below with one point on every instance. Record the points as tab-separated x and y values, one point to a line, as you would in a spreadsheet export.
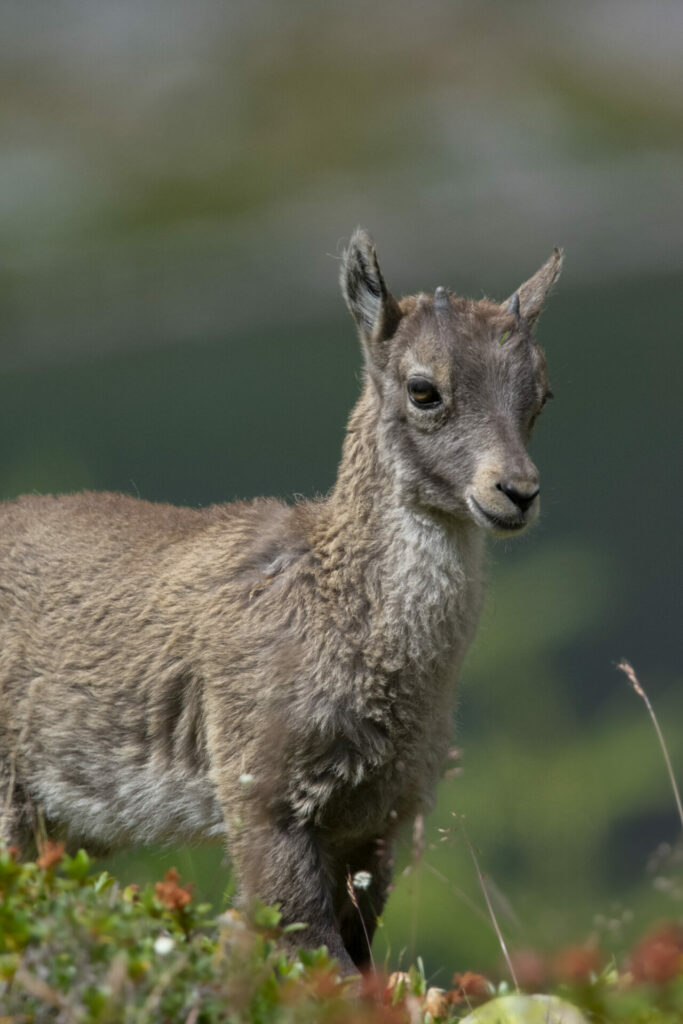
460	384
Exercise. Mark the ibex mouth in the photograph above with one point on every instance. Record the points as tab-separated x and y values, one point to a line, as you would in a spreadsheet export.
491	520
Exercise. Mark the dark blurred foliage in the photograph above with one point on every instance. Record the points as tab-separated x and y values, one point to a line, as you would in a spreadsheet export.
175	184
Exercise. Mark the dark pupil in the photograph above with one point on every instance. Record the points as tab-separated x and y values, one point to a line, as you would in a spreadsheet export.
423	393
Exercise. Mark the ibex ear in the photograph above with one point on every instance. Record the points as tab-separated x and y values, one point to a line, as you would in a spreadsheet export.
527	302
374	309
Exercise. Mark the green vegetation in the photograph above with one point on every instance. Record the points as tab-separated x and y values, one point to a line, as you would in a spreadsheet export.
75	946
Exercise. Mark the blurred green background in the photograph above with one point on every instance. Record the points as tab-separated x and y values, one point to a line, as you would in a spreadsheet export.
175	186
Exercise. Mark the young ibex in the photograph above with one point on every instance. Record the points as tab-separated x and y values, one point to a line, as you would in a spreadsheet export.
281	674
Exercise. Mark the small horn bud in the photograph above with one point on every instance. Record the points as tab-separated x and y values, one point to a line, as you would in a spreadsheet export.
513	305
441	298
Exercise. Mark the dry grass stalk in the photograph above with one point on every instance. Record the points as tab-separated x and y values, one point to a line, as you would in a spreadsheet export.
458	892
354	899
628	670
494	919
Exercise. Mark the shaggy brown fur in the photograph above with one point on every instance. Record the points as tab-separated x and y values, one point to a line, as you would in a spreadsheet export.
281	675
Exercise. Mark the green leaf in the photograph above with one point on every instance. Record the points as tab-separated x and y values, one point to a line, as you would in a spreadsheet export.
264	917
77	867
298	926
418	985
8	965
103	881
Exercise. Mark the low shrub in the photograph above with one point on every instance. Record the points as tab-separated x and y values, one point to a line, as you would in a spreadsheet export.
77	948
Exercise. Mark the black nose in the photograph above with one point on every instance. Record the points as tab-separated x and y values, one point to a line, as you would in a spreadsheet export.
522	497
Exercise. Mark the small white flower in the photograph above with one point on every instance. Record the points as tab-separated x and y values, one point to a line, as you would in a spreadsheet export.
246	779
362	879
163	945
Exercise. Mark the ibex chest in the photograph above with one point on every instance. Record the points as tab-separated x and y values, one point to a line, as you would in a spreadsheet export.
428	599
377	722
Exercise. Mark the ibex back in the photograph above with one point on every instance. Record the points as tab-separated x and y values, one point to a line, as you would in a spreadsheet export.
283	675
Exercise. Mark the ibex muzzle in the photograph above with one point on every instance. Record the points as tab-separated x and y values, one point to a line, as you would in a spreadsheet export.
280	675
504	493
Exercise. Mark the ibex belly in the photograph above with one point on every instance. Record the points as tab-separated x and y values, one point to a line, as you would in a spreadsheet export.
124	804
114	767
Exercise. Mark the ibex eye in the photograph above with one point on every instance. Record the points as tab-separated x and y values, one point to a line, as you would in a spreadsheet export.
422	393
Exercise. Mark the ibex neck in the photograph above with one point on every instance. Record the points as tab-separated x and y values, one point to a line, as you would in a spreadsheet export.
364	482
411	575
368	498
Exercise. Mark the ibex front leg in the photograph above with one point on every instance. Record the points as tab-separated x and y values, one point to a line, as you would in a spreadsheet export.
286	865
362	880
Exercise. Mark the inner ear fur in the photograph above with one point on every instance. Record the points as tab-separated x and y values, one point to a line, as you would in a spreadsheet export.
372	306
